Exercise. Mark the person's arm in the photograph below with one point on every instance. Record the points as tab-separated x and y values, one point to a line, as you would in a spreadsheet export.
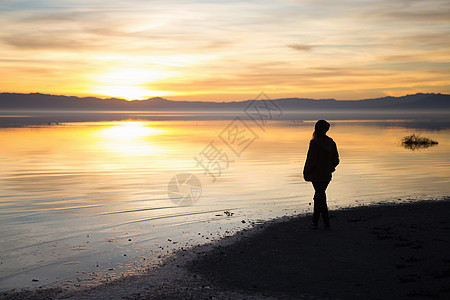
335	157
310	163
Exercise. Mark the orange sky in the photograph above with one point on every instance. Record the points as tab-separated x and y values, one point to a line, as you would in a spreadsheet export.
225	51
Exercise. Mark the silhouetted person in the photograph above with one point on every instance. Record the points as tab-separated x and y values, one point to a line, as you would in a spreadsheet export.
321	161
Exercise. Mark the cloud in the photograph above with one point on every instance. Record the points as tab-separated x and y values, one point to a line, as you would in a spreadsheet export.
48	41
284	79
231	46
301	48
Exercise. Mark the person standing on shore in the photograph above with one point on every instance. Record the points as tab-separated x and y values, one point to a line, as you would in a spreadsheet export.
321	162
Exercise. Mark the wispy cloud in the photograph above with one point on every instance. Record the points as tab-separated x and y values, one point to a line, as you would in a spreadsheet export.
300	47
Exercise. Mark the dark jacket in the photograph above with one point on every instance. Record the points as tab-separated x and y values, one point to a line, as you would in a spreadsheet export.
321	160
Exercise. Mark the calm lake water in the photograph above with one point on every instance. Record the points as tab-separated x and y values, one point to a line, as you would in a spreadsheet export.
82	202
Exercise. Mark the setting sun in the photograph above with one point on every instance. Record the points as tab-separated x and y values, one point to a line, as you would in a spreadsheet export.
129	92
130	84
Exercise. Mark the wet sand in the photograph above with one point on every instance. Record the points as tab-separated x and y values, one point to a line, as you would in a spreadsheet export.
377	252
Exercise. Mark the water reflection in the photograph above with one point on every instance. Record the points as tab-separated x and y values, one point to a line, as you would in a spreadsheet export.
414	147
93	186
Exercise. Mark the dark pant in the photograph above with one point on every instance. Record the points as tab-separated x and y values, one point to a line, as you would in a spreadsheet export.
320	202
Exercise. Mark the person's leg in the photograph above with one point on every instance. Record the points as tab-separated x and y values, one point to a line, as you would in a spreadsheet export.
316	212
326	219
320	203
317	202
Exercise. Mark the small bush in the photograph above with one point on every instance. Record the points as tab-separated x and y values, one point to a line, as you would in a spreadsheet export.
414	142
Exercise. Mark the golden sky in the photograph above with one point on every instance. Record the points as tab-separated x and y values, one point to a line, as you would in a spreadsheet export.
225	50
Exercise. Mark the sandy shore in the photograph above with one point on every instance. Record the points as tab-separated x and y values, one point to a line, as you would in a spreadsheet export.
378	252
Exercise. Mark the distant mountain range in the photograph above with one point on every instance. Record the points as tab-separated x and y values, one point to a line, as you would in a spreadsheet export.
37	101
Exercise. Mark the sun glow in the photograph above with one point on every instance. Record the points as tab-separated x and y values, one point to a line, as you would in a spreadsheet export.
131	84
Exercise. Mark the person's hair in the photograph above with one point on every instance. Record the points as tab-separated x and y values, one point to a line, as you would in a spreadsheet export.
320	129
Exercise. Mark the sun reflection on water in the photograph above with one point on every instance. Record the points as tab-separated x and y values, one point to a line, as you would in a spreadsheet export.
130	138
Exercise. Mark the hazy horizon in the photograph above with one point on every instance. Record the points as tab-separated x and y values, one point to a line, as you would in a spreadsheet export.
193	98
209	98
